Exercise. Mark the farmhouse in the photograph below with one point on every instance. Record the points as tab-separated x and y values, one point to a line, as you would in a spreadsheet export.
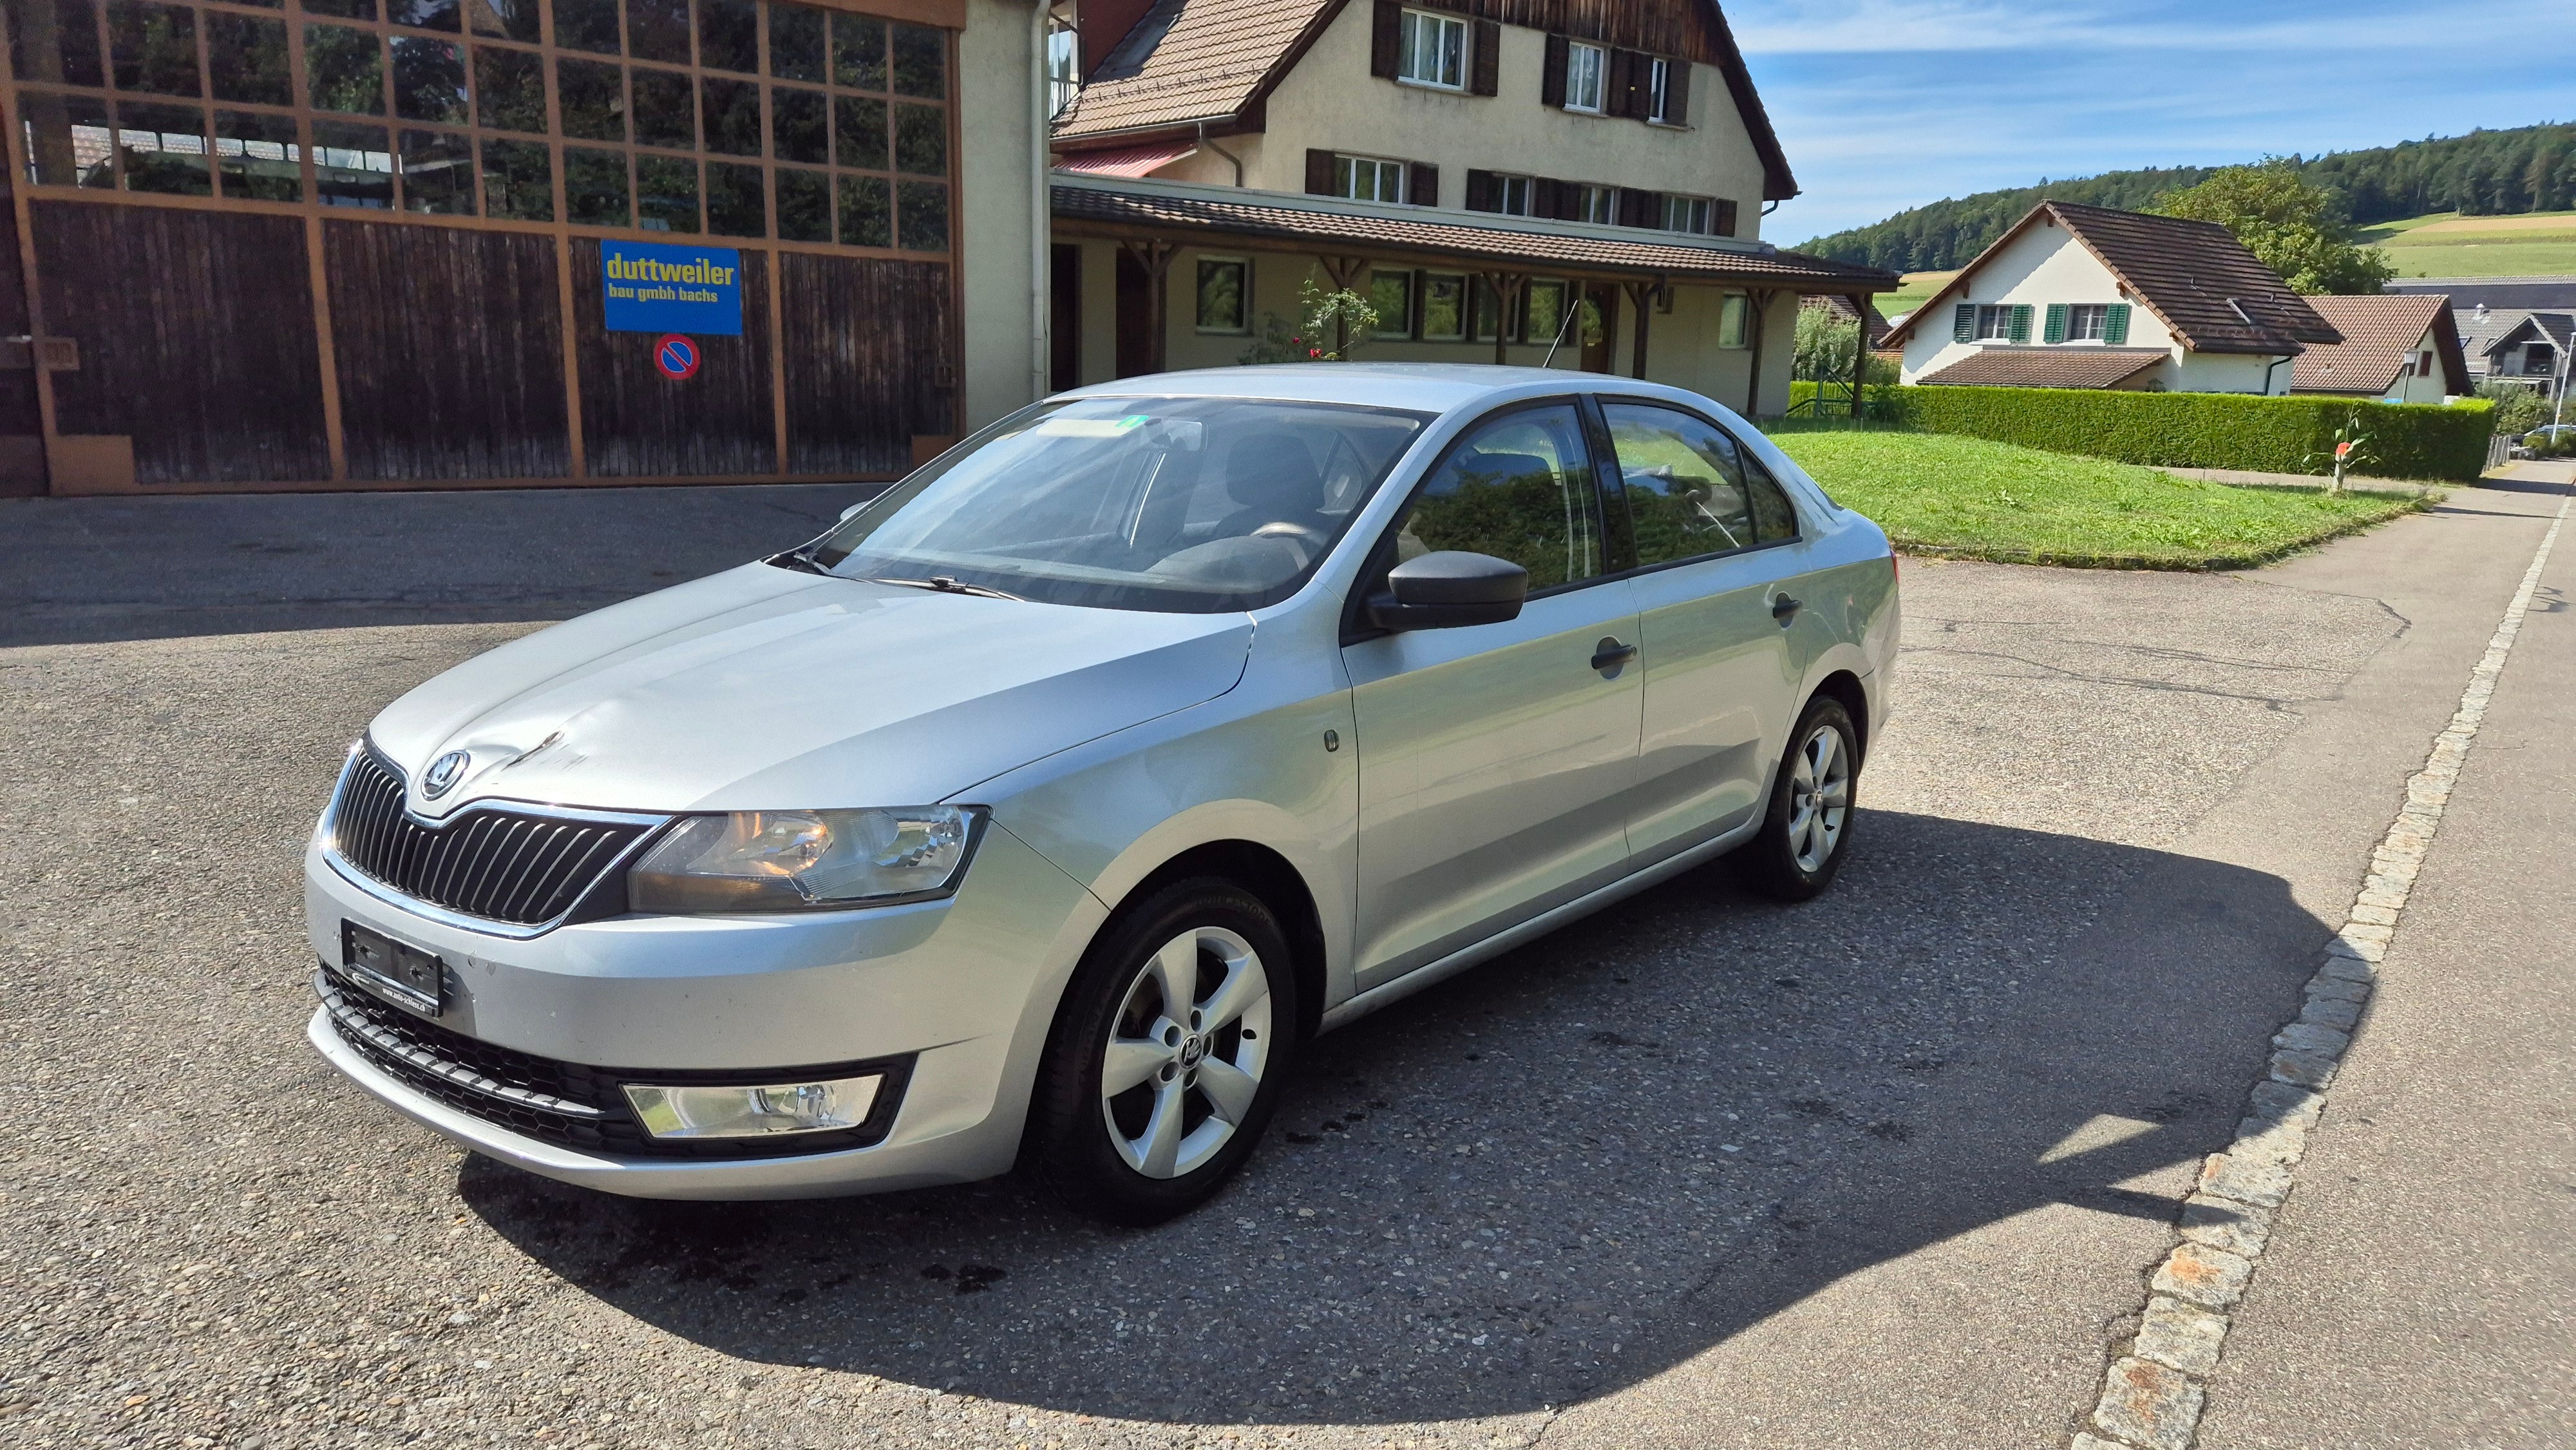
2087	297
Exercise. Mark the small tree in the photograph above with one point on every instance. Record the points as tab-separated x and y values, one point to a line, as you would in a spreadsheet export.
2292	226
1336	326
1823	351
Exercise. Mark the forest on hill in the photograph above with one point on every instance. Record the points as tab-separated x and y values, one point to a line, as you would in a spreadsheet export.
2485	173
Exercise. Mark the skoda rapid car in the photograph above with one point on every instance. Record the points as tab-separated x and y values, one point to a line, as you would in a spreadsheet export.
1040	811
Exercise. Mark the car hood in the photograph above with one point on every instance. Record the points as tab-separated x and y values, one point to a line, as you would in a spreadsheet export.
764	688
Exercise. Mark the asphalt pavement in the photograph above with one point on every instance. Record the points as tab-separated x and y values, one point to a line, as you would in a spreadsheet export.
1885	1169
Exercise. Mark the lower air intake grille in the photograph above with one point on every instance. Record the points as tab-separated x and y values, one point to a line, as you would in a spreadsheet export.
509	866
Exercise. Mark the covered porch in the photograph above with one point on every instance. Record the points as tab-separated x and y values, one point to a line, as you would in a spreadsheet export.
1153	276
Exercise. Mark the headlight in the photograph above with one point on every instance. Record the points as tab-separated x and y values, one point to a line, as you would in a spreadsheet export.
804	860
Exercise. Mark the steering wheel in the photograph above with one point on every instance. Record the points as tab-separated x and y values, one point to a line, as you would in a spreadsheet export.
1312	541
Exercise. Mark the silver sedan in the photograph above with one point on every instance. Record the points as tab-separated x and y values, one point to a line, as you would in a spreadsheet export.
1042	810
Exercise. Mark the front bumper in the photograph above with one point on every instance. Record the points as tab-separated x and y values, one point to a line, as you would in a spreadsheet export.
963	989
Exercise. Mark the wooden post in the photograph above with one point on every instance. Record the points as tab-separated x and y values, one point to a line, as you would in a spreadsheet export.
1506	287
1642	296
1758	303
1860	349
1155	256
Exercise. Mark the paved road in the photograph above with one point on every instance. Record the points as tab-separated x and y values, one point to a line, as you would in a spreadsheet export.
1882	1170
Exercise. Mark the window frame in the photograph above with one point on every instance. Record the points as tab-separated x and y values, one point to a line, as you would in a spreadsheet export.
417	193
1739	336
1616	481
1659	79
1504	182
1410	27
1599	73
1346	172
1707	209
1357	627
1403	331
1591	197
1422	280
2001	313
2098	313
1243	295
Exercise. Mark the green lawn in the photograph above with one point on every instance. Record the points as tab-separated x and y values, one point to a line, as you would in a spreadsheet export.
2446	244
1947	496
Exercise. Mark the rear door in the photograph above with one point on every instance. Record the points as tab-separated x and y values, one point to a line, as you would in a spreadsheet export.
1716	544
1496	761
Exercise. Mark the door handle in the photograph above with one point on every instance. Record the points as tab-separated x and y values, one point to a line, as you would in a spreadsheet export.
1783	608
1610	654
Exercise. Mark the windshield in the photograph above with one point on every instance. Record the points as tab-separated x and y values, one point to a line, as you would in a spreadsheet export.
1173	505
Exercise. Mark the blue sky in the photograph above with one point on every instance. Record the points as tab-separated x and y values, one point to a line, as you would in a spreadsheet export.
1886	104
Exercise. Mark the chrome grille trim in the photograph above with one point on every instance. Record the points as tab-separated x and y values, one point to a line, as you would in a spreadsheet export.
353	1024
500	867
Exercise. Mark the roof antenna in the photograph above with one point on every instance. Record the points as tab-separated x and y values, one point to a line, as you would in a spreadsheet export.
1560	331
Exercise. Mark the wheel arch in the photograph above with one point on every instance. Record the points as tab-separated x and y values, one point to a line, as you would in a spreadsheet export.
1280	886
1844	688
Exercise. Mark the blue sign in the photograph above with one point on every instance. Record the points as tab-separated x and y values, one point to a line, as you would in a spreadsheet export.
654	287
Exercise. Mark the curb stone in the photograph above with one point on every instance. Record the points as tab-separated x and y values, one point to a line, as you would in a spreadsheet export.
2155	1387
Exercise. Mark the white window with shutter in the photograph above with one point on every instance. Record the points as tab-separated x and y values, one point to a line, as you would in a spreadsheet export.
1512	195
1434	50
1659	83
1597	204
1363	178
2086	321
1586	73
1690	214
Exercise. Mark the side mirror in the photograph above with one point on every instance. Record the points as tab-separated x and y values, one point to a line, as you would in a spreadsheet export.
1449	589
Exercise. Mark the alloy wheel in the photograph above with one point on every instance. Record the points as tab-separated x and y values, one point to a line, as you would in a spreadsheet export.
1819	797
1186	1052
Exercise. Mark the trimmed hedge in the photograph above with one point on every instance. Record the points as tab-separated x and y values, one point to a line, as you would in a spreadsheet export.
2200	430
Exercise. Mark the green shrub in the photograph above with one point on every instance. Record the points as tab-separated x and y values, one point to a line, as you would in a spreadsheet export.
2201	430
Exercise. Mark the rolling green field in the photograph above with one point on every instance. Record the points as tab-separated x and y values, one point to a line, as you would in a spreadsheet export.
1947	496
1918	289
2447	244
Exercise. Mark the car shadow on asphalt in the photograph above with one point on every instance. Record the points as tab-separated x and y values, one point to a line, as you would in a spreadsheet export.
1564	1172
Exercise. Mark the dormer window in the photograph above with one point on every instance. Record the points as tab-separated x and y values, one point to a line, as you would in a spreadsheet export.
1434	50
1586	74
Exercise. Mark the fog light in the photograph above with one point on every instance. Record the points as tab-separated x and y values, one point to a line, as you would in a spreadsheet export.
754	1112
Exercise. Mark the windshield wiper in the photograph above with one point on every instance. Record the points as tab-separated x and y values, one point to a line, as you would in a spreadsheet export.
798	559
943	584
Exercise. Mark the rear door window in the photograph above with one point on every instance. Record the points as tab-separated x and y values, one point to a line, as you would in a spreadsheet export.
1691	490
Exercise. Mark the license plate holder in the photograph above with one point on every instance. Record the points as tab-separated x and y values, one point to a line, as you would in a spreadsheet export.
404	975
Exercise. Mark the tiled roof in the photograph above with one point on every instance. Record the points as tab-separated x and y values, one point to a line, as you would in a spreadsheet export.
1174	209
2379	336
2047	367
2213	295
1840	306
1126	160
1190	60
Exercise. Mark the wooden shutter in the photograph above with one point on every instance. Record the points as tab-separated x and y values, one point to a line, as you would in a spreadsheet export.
1485	67
1677	94
1551	76
1641	208
1963	327
2115	324
1422	183
1616	79
1319	173
1386	41
2021	322
2055	328
1543	192
1483	193
1723	222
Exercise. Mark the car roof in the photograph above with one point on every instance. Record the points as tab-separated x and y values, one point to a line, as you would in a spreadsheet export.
1419	387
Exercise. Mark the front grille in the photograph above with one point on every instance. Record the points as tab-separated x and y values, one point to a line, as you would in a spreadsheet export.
517	867
565	1103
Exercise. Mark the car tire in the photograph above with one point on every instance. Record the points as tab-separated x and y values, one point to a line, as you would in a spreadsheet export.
1807	831
1142	1113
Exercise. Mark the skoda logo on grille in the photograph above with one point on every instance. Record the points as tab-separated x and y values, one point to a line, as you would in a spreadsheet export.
443	774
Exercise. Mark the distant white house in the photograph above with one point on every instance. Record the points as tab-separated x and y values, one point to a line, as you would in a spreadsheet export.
2088	297
2397	347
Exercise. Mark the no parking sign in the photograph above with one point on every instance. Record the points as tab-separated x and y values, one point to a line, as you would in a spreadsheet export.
676	356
